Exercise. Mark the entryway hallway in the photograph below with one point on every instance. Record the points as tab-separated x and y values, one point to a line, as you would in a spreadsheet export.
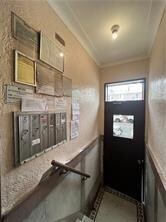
83	110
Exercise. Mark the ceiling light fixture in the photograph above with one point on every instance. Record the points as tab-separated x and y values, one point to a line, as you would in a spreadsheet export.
114	31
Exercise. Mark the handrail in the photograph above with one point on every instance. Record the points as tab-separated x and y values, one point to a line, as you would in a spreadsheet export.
67	168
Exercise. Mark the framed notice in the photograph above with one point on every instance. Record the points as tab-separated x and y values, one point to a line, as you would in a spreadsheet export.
67	87
25	69
45	80
58	84
23	32
50	53
49	81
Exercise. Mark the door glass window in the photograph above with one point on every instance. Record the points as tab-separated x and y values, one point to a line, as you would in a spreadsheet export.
123	126
125	91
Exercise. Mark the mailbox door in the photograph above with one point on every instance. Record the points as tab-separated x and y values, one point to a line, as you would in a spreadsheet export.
24	137
63	126
58	128
51	129
35	134
44	131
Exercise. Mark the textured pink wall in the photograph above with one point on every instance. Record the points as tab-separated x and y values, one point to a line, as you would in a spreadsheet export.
157	101
18	182
126	71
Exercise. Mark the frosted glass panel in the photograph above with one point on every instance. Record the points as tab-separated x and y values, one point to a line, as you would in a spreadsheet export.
128	91
123	126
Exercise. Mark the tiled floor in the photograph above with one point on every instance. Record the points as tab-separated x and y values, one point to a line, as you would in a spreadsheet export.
116	209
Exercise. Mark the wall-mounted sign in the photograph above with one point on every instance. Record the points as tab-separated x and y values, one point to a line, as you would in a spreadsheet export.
49	81
58	84
67	86
60	103
15	93
25	69
50	53
45	80
23	32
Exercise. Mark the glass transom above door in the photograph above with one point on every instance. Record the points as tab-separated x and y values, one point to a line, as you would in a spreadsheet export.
123	126
125	91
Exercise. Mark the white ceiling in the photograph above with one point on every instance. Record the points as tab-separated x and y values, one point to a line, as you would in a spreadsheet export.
91	20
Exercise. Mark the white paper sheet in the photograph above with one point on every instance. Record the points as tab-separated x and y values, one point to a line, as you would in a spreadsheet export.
74	129
34	104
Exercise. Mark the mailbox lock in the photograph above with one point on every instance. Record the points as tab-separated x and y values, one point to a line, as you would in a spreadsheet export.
24	134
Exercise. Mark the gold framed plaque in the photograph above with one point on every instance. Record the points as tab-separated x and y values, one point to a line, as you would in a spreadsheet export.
25	69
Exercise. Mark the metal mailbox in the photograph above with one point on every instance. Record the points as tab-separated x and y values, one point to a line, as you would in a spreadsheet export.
36	132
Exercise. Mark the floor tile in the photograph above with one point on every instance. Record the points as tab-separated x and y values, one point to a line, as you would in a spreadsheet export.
115	209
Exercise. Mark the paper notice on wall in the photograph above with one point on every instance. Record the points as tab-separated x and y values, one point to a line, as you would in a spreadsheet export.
34	104
74	129
76	95
60	103
51	104
75	105
75	114
75	110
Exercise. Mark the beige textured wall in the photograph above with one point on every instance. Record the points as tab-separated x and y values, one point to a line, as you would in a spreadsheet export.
126	71
18	182
157	101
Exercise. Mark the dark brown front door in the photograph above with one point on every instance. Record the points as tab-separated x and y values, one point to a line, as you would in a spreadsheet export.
124	146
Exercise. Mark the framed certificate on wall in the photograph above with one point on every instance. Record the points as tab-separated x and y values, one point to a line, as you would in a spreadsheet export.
50	53
49	80
22	32
67	87
25	69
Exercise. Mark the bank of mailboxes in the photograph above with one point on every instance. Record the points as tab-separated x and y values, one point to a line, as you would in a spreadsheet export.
35	133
